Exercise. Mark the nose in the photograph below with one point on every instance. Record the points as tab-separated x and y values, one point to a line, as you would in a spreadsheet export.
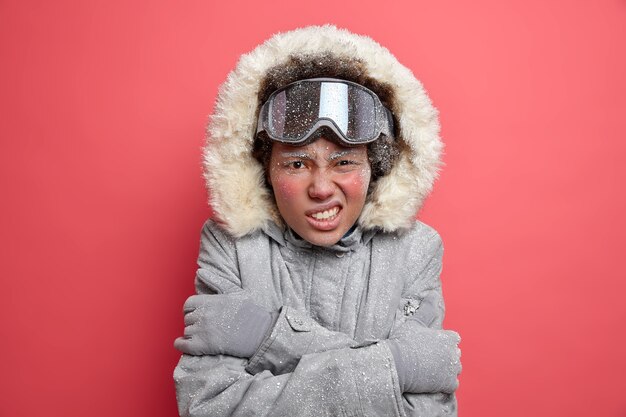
322	186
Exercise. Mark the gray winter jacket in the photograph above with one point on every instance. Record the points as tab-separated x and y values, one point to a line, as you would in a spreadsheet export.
324	356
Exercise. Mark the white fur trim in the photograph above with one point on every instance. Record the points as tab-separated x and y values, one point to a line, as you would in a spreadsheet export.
235	179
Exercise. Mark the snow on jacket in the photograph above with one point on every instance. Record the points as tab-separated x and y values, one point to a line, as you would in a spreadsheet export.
336	303
321	358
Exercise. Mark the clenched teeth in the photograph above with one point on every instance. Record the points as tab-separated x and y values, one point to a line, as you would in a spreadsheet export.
327	214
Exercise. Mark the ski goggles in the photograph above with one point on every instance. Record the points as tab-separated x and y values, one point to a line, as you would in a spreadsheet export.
352	112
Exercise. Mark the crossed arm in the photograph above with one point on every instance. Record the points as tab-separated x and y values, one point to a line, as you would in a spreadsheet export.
298	367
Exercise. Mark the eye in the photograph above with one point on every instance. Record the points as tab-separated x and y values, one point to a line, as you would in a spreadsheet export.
295	164
347	165
346	162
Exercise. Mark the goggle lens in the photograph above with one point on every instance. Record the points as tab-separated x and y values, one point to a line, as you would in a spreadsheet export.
294	111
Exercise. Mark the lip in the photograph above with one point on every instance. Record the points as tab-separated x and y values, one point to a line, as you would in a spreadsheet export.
325	224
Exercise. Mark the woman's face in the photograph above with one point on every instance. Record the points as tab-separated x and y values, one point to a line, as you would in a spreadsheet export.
320	188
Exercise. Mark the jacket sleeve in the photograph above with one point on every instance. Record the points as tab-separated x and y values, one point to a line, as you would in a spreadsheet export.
422	299
326	383
331	382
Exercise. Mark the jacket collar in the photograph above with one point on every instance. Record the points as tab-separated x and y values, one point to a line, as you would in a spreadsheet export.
350	242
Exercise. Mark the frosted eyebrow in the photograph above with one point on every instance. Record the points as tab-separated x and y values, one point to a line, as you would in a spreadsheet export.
295	154
336	155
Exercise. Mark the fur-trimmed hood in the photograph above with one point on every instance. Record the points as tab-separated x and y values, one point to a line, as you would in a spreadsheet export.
238	194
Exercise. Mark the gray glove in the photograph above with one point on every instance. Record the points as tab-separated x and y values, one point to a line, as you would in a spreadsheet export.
223	324
427	360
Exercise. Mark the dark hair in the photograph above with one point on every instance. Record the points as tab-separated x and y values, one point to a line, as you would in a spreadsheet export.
382	153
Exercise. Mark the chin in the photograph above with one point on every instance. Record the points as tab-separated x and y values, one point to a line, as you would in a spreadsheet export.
322	239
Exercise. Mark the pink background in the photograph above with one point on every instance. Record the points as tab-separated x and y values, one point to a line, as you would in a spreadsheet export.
103	109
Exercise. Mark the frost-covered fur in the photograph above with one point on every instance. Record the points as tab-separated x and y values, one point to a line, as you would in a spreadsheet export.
238	195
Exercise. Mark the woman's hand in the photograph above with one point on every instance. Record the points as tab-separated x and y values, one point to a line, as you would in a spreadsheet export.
427	360
223	324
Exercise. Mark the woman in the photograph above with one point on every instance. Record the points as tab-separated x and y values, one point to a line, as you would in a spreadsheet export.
318	291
